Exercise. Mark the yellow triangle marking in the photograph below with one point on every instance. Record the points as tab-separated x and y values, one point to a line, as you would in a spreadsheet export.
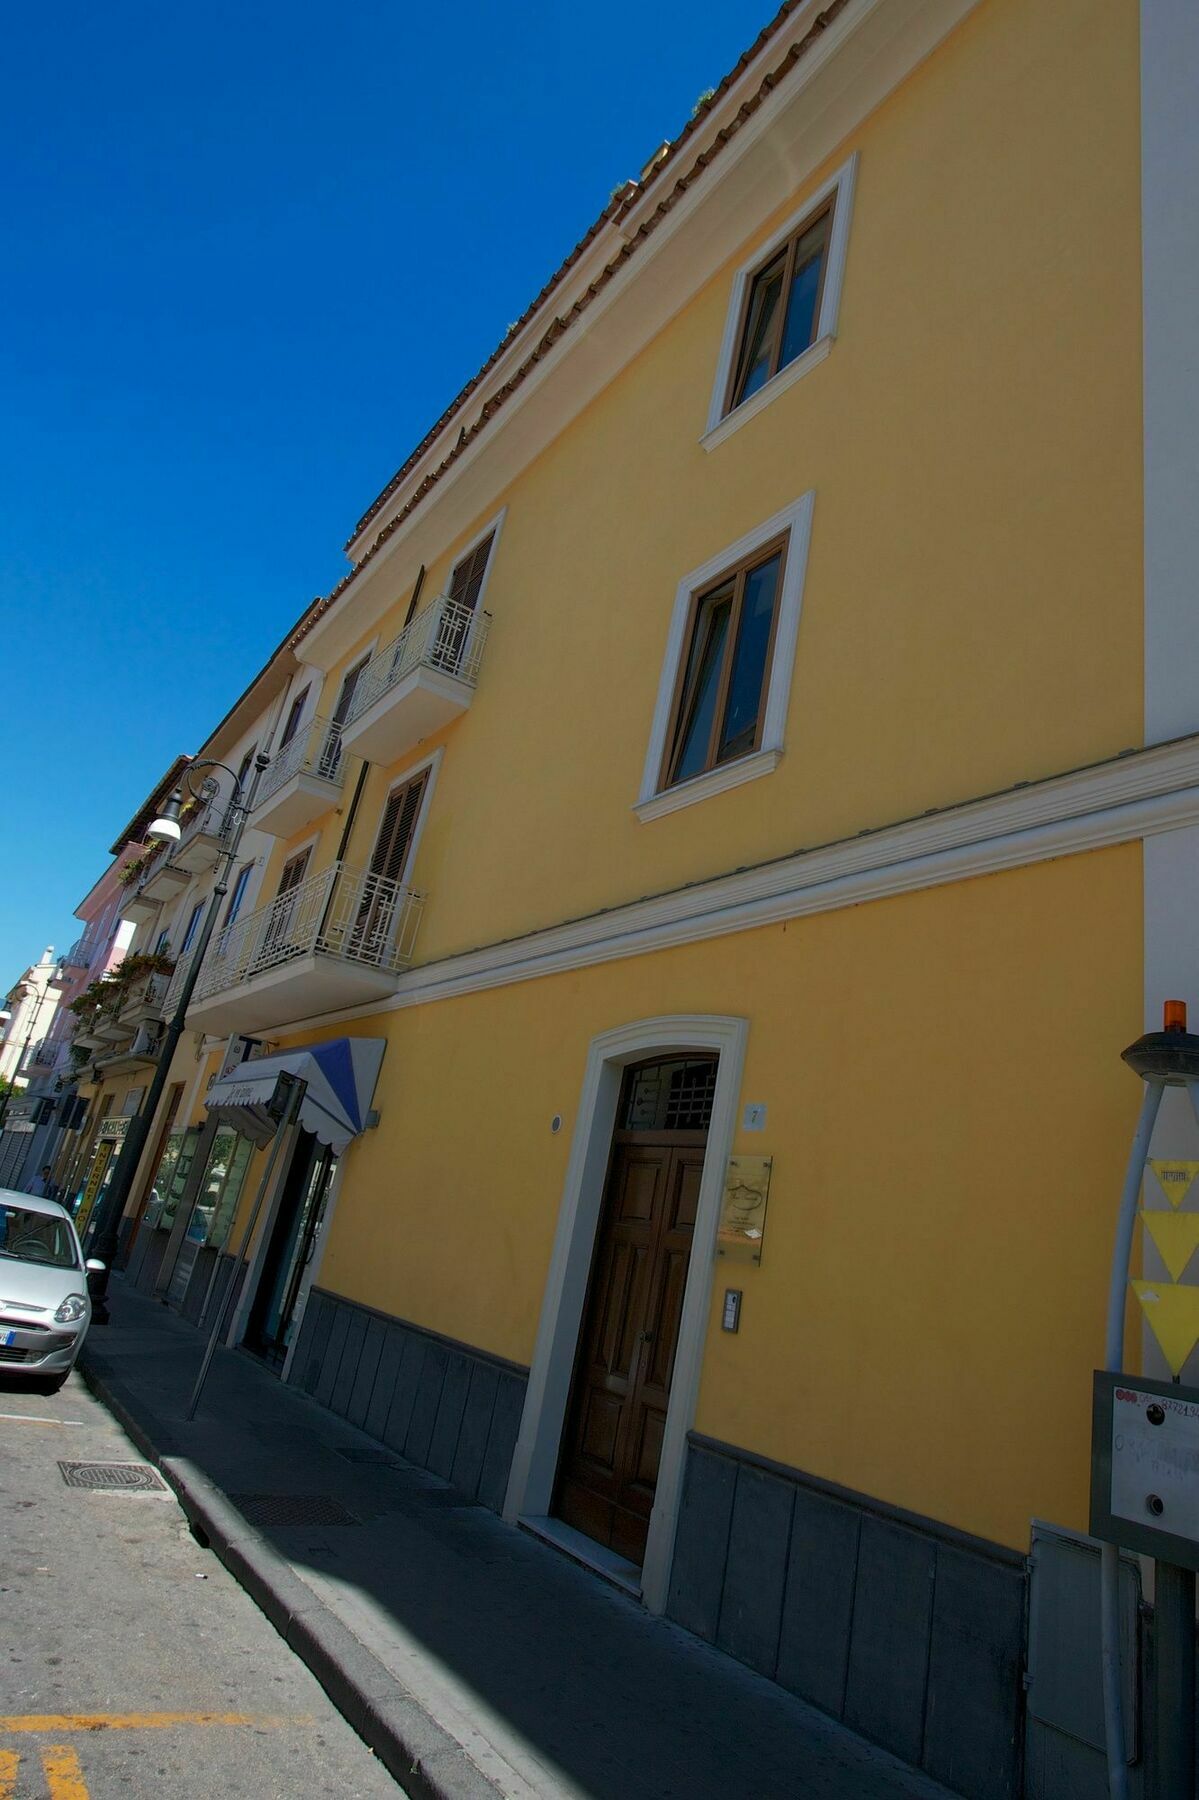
1173	1315
1176	1236
1174	1178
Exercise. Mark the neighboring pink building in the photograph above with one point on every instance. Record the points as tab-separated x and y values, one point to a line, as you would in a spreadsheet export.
41	1058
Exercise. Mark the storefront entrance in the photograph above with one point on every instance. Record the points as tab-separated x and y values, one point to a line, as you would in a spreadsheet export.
289	1249
612	1442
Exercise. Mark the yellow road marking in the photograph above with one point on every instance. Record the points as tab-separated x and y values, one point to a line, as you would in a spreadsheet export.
35	1722
9	1761
64	1777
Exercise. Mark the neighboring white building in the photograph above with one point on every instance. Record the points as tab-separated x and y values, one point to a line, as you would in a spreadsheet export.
30	1006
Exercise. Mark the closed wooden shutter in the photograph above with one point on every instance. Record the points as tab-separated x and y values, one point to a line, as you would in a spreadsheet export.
395	833
293	719
347	691
331	749
293	872
467	580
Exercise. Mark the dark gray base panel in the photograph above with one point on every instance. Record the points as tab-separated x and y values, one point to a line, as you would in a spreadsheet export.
146	1259
909	1632
444	1406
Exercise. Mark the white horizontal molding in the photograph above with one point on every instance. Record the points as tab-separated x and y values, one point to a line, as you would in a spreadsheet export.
1137	795
795	371
702	787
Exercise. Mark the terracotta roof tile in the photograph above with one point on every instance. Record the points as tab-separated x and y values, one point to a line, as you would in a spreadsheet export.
617	208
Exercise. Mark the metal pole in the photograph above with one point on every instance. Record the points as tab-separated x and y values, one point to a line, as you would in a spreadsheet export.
1109	1555
1174	1635
108	1231
1109	1566
1174	1712
288	1119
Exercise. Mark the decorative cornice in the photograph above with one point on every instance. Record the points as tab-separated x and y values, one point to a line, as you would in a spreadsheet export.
1137	794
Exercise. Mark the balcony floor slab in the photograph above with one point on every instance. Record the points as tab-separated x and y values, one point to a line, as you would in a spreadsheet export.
295	804
302	988
424	702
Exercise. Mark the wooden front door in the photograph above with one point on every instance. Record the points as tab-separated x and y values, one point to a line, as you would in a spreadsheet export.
612	1442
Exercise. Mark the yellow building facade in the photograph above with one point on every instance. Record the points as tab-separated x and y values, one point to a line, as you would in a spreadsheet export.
749	755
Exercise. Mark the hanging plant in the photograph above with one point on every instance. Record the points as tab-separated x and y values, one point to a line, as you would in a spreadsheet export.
133	871
140	964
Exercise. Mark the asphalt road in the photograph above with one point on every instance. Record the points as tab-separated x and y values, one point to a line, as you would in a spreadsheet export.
132	1663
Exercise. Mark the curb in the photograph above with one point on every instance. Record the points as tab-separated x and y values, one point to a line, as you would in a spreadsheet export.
427	1762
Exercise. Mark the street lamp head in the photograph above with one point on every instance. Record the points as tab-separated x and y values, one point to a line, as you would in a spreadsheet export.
166	825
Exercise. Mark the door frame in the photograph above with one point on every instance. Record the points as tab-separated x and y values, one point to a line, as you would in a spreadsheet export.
538	1444
256	1250
314	1268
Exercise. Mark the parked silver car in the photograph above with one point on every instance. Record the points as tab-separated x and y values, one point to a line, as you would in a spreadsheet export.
45	1308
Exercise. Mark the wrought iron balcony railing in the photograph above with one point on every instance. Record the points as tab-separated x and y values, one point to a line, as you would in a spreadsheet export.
83	950
315	750
344	914
204	832
447	637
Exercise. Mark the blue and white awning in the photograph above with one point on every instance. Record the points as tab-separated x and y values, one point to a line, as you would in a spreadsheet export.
340	1077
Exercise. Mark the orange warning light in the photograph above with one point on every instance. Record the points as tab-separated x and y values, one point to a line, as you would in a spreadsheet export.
1174	1015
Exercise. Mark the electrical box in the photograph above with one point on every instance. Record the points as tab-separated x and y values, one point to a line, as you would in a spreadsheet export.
1145	1466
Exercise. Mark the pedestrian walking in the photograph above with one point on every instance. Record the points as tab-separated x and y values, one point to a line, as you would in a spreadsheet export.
44	1185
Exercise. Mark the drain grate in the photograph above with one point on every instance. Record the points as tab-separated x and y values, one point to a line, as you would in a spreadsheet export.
293	1509
366	1453
117	1478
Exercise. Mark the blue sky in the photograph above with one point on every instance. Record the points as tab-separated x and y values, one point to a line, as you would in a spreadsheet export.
250	252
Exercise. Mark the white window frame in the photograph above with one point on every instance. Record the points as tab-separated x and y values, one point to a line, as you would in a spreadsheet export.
432	763
839	188
653	801
314	680
493	530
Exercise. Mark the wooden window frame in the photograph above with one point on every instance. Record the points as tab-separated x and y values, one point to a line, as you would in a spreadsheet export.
737	573
825	210
795	522
834	196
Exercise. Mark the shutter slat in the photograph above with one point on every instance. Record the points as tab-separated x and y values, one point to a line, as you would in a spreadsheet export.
395	833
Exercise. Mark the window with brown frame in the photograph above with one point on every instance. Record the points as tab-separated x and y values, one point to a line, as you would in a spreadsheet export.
782	309
723	672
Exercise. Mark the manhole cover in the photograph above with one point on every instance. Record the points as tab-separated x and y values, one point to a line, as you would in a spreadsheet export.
121	1478
293	1509
365	1453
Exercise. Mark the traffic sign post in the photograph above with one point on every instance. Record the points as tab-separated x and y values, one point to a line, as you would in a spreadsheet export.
1145	1437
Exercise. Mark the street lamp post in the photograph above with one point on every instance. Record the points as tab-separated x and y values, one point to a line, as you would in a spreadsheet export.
166	826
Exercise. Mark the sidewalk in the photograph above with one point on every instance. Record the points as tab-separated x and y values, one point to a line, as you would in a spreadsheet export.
475	1660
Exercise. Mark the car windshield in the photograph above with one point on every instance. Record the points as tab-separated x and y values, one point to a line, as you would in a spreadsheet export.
36	1237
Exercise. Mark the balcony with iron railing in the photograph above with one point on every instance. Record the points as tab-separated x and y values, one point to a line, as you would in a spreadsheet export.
138	1051
420	682
301	782
203	834
340	938
42	1055
163	879
146	1001
84	950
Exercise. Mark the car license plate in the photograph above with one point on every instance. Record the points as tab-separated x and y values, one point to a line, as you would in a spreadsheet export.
6	1338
